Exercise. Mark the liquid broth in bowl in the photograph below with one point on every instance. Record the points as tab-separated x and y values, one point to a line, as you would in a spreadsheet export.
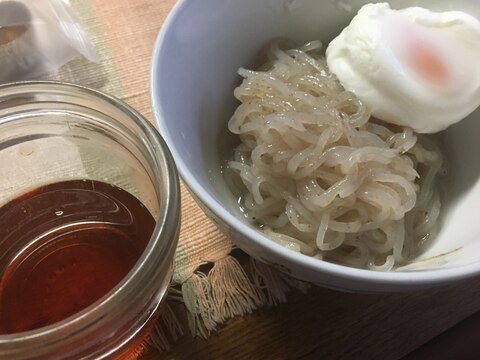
319	175
333	160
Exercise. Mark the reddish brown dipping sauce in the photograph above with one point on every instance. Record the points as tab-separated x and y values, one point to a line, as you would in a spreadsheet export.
63	246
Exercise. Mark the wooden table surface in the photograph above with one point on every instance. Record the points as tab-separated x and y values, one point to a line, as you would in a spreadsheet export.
326	324
322	324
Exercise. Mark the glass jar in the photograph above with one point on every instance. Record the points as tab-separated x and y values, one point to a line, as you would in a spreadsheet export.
51	132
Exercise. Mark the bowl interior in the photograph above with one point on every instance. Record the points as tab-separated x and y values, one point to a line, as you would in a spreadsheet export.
198	53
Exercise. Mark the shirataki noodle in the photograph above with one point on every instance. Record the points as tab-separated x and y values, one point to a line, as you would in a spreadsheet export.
318	175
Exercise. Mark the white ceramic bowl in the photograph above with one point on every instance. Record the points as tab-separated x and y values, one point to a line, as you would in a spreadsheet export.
194	72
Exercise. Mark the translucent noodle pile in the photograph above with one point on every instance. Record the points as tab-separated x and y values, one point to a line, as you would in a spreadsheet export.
318	175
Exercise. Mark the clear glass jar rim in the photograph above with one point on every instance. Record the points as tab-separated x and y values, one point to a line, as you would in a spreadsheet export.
167	221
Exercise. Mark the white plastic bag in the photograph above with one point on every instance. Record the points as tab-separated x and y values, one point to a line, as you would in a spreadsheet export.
39	36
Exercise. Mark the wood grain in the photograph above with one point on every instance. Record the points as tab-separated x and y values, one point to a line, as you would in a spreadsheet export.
459	342
326	324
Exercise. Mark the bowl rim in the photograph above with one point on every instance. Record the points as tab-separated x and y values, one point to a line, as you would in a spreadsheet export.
398	280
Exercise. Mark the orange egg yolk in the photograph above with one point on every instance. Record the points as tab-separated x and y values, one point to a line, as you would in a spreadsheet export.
426	61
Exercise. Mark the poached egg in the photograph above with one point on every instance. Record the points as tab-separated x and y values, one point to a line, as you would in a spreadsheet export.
411	67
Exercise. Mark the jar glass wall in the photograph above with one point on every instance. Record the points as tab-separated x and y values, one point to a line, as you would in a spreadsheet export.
53	132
